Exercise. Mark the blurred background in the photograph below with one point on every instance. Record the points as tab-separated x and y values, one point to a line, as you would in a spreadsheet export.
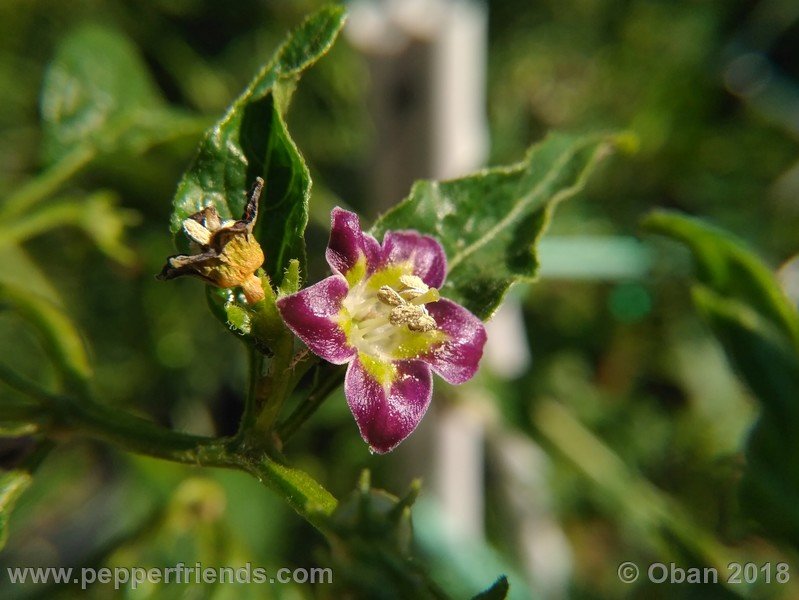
605	426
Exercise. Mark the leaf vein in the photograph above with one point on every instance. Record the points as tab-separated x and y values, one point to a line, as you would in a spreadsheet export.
519	209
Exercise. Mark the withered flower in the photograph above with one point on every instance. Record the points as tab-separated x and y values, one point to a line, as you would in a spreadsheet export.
224	253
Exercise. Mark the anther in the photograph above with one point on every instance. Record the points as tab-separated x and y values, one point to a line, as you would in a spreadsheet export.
415	317
405	314
387	295
412	282
198	233
422	323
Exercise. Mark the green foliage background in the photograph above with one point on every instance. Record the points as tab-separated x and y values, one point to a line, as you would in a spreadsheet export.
629	392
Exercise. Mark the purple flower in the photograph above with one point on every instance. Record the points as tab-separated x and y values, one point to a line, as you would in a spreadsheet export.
381	313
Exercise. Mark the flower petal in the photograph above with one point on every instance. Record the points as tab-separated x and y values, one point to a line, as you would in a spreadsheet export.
311	315
386	415
456	360
349	247
423	252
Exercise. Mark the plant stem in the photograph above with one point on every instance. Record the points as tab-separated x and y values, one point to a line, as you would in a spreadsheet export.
141	436
20	413
28	226
48	182
298	489
84	416
274	387
26	388
331	378
134	434
256	362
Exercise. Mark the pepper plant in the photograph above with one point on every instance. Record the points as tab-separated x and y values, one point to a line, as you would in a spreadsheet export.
407	297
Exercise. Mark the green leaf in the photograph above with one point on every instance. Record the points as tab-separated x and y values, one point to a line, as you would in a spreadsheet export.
758	328
60	338
96	83
19	270
371	549
770	485
251	140
757	350
729	269
489	223
97	214
770	367
304	494
97	98
12	485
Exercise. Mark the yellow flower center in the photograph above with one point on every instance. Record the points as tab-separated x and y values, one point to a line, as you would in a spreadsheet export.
385	318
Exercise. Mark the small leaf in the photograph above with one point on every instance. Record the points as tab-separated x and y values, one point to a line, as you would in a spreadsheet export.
251	140
97	99
498	591
370	534
60	338
96	84
291	279
12	485
758	351
20	271
759	330
105	223
770	486
304	494
489	223
226	310
97	214
763	357
728	268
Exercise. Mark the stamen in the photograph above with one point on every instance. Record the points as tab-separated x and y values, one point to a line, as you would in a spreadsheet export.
422	323
388	295
210	218
379	317
197	232
371	322
405	314
378	333
413	282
